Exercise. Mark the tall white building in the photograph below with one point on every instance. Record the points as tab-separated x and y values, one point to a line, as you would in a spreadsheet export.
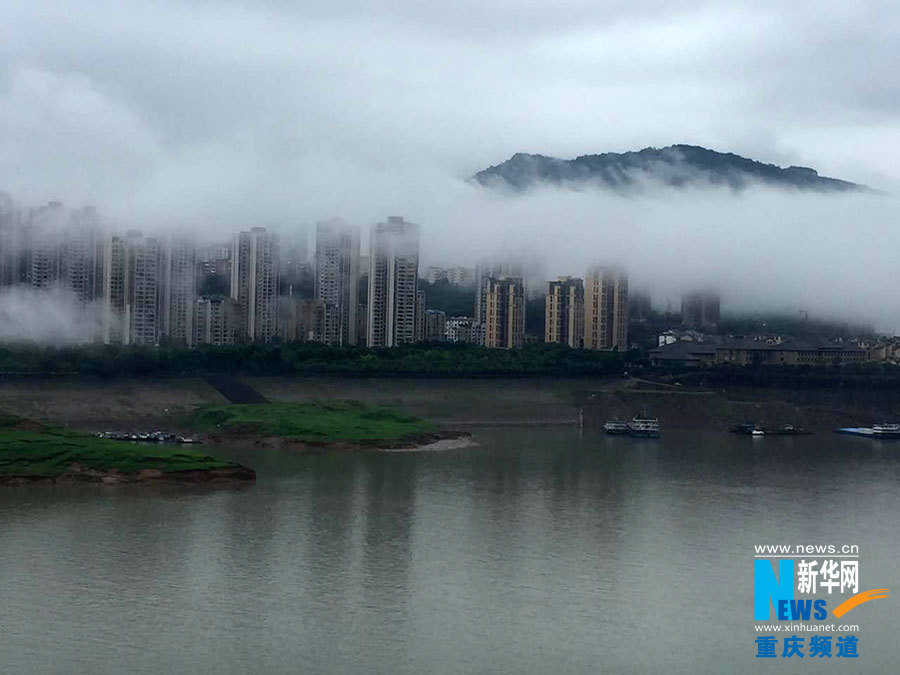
142	289
393	280
254	284
337	282
10	241
60	248
114	264
46	233
81	256
178	291
131	289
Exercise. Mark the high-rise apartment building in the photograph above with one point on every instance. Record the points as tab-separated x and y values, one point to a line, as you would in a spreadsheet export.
178	291
337	282
504	312
142	288
606	308
420	317
700	310
131	289
114	265
45	235
10	241
496	269
215	321
564	316
393	280
254	284
299	319
81	256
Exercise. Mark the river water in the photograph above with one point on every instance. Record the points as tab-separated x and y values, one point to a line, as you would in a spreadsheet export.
536	551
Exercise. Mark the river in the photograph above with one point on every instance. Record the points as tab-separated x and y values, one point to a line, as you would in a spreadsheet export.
540	550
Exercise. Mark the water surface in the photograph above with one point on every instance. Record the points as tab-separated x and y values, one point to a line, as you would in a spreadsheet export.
538	551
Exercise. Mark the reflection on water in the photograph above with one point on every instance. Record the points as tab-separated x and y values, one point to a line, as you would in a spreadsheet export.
540	550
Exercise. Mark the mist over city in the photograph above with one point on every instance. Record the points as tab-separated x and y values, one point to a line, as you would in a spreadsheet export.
484	336
211	119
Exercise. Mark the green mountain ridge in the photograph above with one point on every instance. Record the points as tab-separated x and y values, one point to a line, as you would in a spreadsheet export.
674	166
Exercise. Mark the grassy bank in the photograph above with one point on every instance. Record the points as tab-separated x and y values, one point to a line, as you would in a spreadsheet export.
28	448
311	422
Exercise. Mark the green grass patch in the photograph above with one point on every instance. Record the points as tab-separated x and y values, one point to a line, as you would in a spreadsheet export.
313	422
28	448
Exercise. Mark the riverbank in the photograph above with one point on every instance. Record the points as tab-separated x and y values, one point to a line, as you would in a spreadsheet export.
93	404
31	452
718	410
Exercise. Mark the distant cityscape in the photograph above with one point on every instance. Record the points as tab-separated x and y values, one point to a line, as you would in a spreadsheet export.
257	288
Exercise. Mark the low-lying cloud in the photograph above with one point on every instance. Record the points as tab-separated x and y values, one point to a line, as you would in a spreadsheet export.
47	316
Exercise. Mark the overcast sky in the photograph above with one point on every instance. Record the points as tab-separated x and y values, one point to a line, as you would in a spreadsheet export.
233	114
119	101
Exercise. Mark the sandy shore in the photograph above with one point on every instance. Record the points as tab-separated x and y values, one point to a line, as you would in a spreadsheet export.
444	444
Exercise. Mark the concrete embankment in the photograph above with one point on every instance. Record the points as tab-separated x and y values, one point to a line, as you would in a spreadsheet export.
91	403
143	403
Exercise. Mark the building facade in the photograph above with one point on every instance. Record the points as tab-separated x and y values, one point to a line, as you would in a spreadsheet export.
564	312
337	282
700	310
142	289
393	282
254	284
178	291
504	311
464	329
606	308
215	321
435	325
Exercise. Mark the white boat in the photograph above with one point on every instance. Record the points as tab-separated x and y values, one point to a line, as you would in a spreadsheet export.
616	428
886	430
643	427
757	432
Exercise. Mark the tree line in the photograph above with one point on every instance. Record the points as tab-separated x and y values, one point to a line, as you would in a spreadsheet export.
419	360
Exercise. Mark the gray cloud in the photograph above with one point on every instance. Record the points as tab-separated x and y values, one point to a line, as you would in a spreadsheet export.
133	92
221	115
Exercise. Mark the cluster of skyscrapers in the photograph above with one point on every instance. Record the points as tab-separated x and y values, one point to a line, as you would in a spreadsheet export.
156	290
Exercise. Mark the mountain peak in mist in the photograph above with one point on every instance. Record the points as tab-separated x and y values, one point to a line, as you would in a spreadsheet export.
674	166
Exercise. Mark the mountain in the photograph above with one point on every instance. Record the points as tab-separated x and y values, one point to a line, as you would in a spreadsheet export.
676	166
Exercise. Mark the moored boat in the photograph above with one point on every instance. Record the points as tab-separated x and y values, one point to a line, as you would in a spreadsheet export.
642	426
880	431
616	428
886	430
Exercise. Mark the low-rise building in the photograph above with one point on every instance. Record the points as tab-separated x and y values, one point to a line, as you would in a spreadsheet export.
684	354
464	329
789	352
